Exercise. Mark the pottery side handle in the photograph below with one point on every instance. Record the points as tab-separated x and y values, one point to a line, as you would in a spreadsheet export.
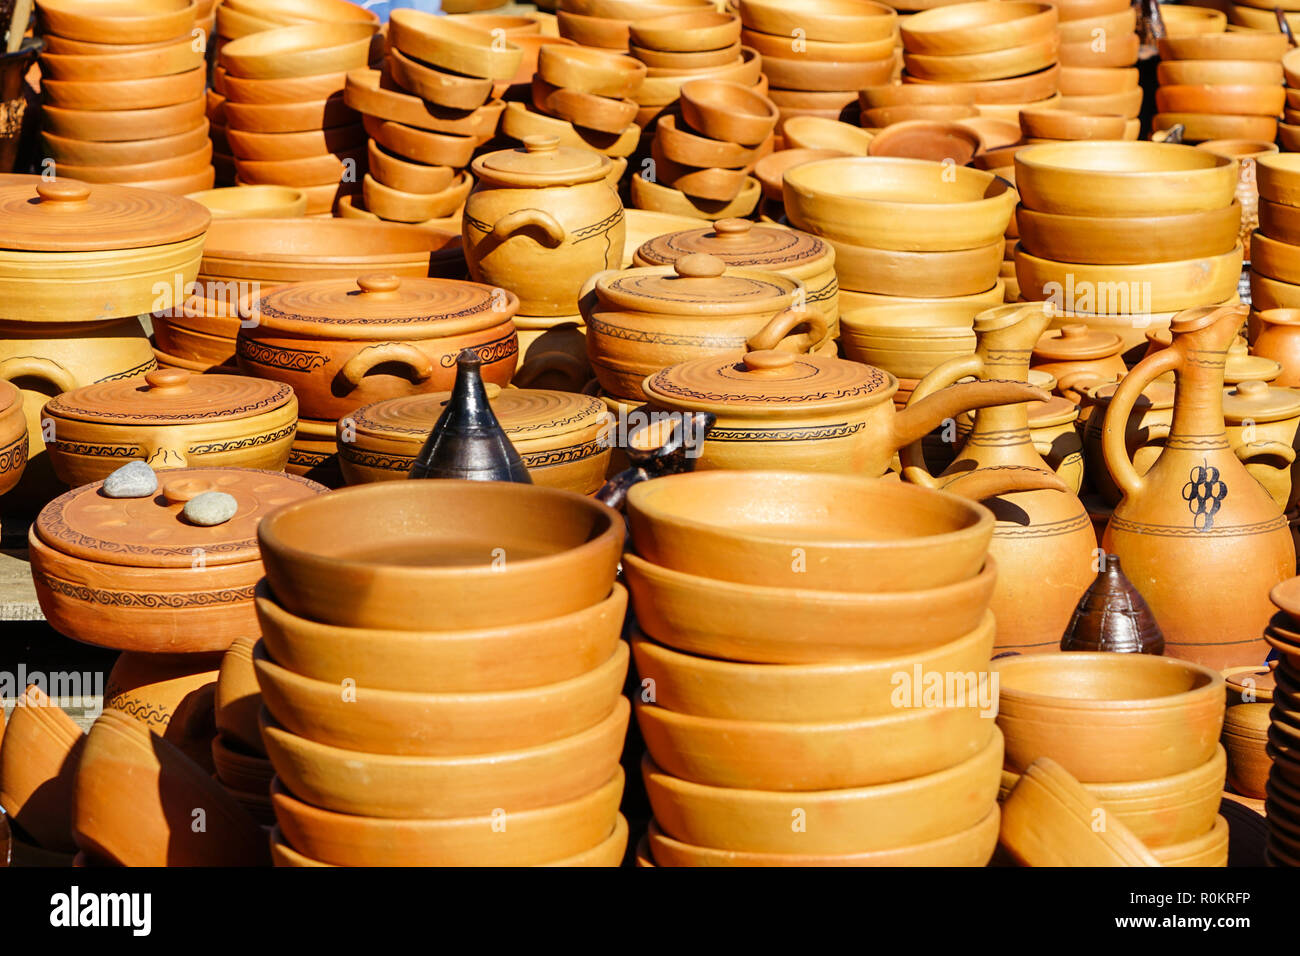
521	219
31	366
401	353
1113	449
943	375
1266	449
779	326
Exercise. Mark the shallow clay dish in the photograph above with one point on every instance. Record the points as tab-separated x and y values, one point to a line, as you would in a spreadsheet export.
727	111
1128	240
306	50
559	561
1110	716
90	153
166	60
112	126
253	202
1062	124
852	21
440	787
292	89
586	70
451	46
685	32
977	28
815	133
950	142
450	90
770	170
1211	849
114	21
38	765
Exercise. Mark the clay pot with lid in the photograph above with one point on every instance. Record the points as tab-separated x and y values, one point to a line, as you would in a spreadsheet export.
171	419
133	574
742	244
1077	356
562	437
540	221
641	321
13	437
1199	537
1039	520
1263	423
1144	432
342	344
782	410
70	252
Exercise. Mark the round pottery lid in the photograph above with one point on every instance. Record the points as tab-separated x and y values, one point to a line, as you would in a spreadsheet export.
1077	342
66	215
525	414
1258	401
1055	411
1241	366
150	532
696	284
768	380
542	162
171	396
740	243
383	306
1157	395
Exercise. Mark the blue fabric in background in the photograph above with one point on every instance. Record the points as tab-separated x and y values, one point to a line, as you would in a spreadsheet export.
382	7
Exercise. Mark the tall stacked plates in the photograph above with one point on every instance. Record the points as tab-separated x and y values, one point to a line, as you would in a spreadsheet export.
1099	69
1289	132
1283	788
1217	99
1275	247
487	732
783	658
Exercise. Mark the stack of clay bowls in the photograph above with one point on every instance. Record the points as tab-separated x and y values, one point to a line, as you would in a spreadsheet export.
1098	77
426	112
285	116
1289	129
1005	53
1245	152
777	730
1283	733
816	56
123	87
1253	17
1250	695
1121	235
703	156
491	741
1221	85
39	751
606	24
237	752
1141	733
698	43
918	246
1275	247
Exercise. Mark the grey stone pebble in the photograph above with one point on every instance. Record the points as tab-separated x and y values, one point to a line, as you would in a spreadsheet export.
210	508
134	480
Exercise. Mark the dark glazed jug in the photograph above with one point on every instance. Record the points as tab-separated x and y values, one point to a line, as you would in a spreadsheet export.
1112	616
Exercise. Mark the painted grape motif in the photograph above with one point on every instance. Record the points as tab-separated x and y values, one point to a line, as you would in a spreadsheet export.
1204	493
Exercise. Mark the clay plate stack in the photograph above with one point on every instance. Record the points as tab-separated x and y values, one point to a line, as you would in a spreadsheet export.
1094	77
486	735
1274	276
776	736
1220	99
123	86
1283	734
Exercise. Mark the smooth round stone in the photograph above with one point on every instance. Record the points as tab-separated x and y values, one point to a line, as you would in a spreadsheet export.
210	508
133	480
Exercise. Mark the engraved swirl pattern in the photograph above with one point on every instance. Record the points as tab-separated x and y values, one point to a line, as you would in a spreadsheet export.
758	249
338	302
113	217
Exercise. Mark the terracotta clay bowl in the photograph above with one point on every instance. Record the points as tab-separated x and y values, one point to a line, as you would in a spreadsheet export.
743	527
761	625
657	197
171	58
171	694
686	62
530	837
1128	240
937	274
1246	100
1062	124
184	165
1249	765
970	847
237	698
289	89
915	94
1210	849
145	93
396	205
440	787
489	565
305	50
848	21
421	146
1109	716
812	132
587	110
1219	72
454	47
680	145
246	773
1118	52
1249	684
38	765
1092	81
687	32
796	73
80	152
113	21
289	12
819	51
282	854
439	724
1198	127
397	173
1012	90
881	117
770	170
450	90
1102	25
950	142
290	117
907	342
1237	45
1279	182
1123	178
727	111
977	28
603	33
1040	54
253	202
865	819
903	204
114	126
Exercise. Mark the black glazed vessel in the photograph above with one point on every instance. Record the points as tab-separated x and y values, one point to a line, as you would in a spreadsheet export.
1112	616
468	442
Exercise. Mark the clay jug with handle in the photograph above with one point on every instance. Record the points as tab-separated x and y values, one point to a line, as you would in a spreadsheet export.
1043	541
1199	537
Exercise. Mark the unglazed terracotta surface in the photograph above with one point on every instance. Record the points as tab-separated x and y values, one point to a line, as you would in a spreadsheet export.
38	764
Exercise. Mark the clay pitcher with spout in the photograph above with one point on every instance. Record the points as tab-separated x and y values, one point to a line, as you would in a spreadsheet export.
1198	536
1043	542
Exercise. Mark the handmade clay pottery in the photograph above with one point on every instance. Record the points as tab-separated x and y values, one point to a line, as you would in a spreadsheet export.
170	420
685	32
1204	851
1038	54
664	199
561	437
1094	81
143	93
907	341
852	21
1112	616
1077	357
1262	422
1098	179
818	51
1049	819
879	202
375	94
1128	240
519	122
920	810
253	202
307	144
451	46
889	272
586	70
1235	99
584	109
770	170
1118	51
136	797
110	21
533	837
1101	26
796	73
237	698
304	50
449	90
295	89
168	59
289	12
310	115
1250	546
76	152
811	132
1275	337
341	343
1146	429
415	787
924	139
1198	127
1279	221
14	444
528	216
579	541
1060	124
1035	511
397	205
123	125
727	111
38	765
1219	72
976	29
171	695
917	94
1249	684
131	573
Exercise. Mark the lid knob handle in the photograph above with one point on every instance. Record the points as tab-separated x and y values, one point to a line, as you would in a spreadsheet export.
1252	388
699	265
379	284
732	228
1074	331
62	192
168	380
180	490
768	360
541	144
